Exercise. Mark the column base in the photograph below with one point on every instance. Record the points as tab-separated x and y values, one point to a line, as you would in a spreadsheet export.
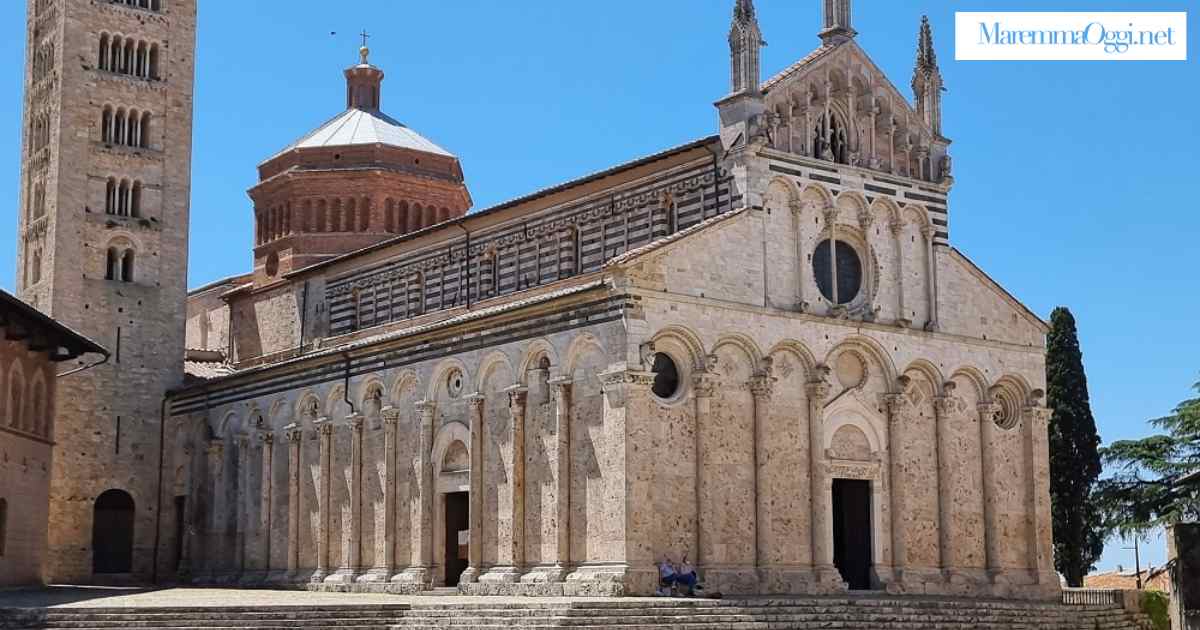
501	575
829	580
341	576
543	574
413	575
730	580
918	581
968	582
469	576
373	576
786	580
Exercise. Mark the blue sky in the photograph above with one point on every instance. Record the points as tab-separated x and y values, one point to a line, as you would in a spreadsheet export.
1075	181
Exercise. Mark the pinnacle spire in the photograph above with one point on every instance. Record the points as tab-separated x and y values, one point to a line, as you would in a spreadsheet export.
838	25
926	56
745	42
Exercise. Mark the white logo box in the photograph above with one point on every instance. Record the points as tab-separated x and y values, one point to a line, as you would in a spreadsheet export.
1036	36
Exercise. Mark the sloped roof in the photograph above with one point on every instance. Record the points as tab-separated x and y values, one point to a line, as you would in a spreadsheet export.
22	321
359	126
823	50
656	245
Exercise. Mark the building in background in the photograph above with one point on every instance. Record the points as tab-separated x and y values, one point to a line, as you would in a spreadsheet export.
102	247
33	348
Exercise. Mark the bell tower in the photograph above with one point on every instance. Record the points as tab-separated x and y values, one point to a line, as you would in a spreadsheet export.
103	244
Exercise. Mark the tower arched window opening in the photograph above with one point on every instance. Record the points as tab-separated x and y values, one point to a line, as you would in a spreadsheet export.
103	62
127	266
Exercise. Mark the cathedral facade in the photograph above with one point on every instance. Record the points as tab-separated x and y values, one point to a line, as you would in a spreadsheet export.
759	349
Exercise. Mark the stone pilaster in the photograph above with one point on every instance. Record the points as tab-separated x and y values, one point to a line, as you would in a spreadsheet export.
478	463
324	496
898	413
244	502
562	476
943	409
827	577
1036	419
704	385
761	386
929	232
217	506
266	441
351	532
295	435
896	227
797	209
991	489
421	573
517	395
383	571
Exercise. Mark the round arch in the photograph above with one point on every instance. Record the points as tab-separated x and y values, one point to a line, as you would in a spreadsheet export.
112	532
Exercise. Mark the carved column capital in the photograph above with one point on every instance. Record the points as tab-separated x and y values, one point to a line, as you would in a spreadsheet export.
830	213
988	411
266	438
324	426
865	218
896	404
517	395
475	401
928	231
426	408
762	385
355	422
391	416
945	405
617	384
293	432
896	226
817	391
561	383
704	384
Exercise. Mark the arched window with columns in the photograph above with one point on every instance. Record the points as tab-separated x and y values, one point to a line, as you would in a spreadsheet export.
103	57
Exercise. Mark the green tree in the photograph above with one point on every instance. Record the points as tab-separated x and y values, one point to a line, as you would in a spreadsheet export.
1146	487
1079	530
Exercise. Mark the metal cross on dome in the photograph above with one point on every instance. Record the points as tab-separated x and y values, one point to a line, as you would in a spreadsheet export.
365	37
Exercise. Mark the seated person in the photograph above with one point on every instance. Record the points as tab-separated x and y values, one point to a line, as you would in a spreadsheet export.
685	575
666	576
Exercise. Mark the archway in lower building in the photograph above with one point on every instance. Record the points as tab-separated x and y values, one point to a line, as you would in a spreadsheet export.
852	531
112	533
458	525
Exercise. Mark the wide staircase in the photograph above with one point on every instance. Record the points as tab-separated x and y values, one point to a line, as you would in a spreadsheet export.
357	617
846	613
854	613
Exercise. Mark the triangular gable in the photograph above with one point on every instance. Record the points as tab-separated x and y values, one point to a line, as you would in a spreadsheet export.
777	87
995	286
670	241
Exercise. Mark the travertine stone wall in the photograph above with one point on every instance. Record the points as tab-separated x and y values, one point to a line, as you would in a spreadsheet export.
27	401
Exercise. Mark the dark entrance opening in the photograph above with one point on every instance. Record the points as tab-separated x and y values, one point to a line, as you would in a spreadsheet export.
112	533
852	532
458	524
180	505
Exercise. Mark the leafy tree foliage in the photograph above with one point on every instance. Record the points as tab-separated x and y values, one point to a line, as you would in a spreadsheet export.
1148	484
1079	530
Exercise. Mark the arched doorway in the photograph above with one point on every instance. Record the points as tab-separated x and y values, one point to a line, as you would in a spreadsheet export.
455	471
112	533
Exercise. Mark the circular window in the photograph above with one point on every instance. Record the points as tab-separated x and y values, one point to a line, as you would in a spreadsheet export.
272	264
839	276
666	376
454	383
1006	416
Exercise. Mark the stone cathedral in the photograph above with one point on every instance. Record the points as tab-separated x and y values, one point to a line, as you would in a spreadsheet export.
759	348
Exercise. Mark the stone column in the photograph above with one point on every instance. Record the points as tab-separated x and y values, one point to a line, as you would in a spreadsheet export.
562	476
827	576
391	420
703	386
267	441
943	408
294	436
897	408
353	560
896	227
797	209
516	407
422	573
987	466
1041	550
928	232
324	509
243	502
475	510
761	385
216	479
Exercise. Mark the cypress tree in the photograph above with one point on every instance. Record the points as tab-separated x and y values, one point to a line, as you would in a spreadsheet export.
1074	453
